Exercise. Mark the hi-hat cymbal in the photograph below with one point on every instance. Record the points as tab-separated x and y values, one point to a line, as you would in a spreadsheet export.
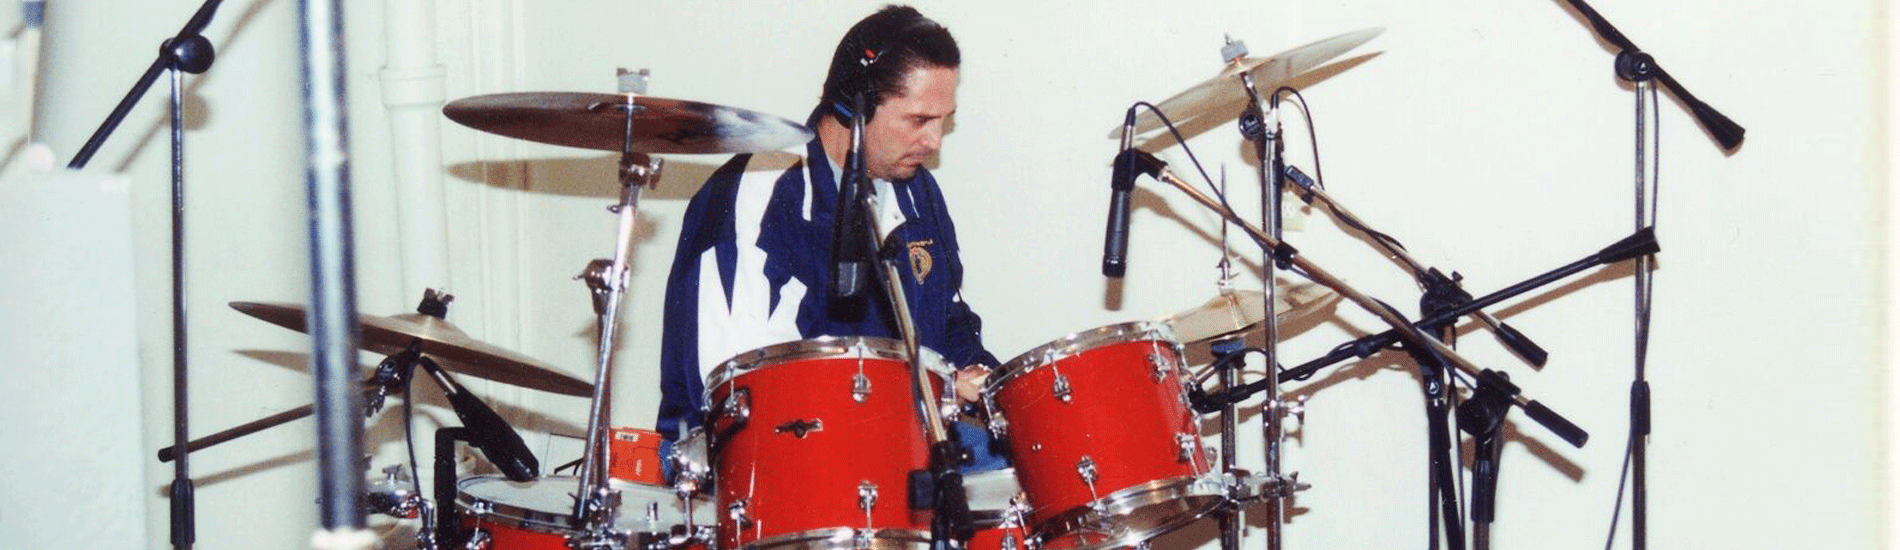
599	121
1240	310
441	341
1224	89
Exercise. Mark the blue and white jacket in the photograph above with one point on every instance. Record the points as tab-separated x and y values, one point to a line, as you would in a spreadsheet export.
752	270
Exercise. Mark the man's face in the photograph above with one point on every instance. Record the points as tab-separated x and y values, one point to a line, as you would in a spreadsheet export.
908	129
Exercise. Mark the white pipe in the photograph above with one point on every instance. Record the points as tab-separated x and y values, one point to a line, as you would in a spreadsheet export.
413	94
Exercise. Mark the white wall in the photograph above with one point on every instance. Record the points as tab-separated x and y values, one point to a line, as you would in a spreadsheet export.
1490	137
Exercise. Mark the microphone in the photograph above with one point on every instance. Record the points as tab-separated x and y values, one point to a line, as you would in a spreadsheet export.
850	254
488	431
1120	183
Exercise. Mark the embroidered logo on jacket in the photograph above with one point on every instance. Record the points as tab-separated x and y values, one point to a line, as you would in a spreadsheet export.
920	260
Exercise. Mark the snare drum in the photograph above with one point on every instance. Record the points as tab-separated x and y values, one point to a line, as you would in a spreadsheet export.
539	514
1103	440
813	443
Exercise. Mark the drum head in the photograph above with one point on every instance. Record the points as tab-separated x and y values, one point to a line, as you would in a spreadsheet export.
828	347
989	493
1075	344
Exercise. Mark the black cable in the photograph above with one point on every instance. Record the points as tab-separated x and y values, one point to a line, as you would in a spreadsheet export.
1622	480
1312	136
1217	191
408	435
1189	150
1644	289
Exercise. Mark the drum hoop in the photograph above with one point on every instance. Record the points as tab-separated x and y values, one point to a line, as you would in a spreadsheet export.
521	516
1075	344
1091	516
844	538
514	515
823	347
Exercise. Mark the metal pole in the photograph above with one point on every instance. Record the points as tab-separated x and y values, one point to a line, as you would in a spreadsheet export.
1639	390
1268	148
183	518
332	321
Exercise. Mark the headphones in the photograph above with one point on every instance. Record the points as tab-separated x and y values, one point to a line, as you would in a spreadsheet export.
868	50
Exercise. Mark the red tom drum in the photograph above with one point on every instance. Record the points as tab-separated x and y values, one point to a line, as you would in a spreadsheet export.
813	442
1103	440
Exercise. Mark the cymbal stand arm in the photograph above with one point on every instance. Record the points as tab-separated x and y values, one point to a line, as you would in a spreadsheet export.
1406	332
608	282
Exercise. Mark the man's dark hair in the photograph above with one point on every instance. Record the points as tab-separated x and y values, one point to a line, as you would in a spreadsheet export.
877	52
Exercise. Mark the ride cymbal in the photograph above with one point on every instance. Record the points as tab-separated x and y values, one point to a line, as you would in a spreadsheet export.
1224	89
442	341
600	121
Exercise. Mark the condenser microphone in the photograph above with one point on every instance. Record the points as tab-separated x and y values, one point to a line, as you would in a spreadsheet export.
850	253
1121	182
487	430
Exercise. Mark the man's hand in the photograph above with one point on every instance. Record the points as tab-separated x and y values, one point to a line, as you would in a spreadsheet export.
970	382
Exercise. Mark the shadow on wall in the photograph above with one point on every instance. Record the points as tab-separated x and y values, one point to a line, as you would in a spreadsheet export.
598	177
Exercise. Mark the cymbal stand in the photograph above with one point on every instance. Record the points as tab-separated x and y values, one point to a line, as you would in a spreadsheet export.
1261	126
597	503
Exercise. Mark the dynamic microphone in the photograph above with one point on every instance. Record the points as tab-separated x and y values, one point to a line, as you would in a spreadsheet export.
851	257
488	431
1120	183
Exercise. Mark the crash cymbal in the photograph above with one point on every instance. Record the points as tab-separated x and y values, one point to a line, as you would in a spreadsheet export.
1224	89
599	121
441	341
1240	310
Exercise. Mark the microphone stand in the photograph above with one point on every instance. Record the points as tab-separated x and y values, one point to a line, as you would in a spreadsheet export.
1637	244
1726	132
1407	333
1640	68
940	488
1441	293
186	52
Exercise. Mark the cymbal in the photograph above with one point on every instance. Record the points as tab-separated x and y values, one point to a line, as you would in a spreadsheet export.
441	341
599	121
1241	310
1225	89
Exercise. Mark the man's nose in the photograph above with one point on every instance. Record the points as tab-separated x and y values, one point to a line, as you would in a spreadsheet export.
933	137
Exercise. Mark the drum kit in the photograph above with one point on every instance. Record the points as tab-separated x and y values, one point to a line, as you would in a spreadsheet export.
822	444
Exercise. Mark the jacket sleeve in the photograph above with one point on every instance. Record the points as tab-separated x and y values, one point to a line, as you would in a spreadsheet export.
963	328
